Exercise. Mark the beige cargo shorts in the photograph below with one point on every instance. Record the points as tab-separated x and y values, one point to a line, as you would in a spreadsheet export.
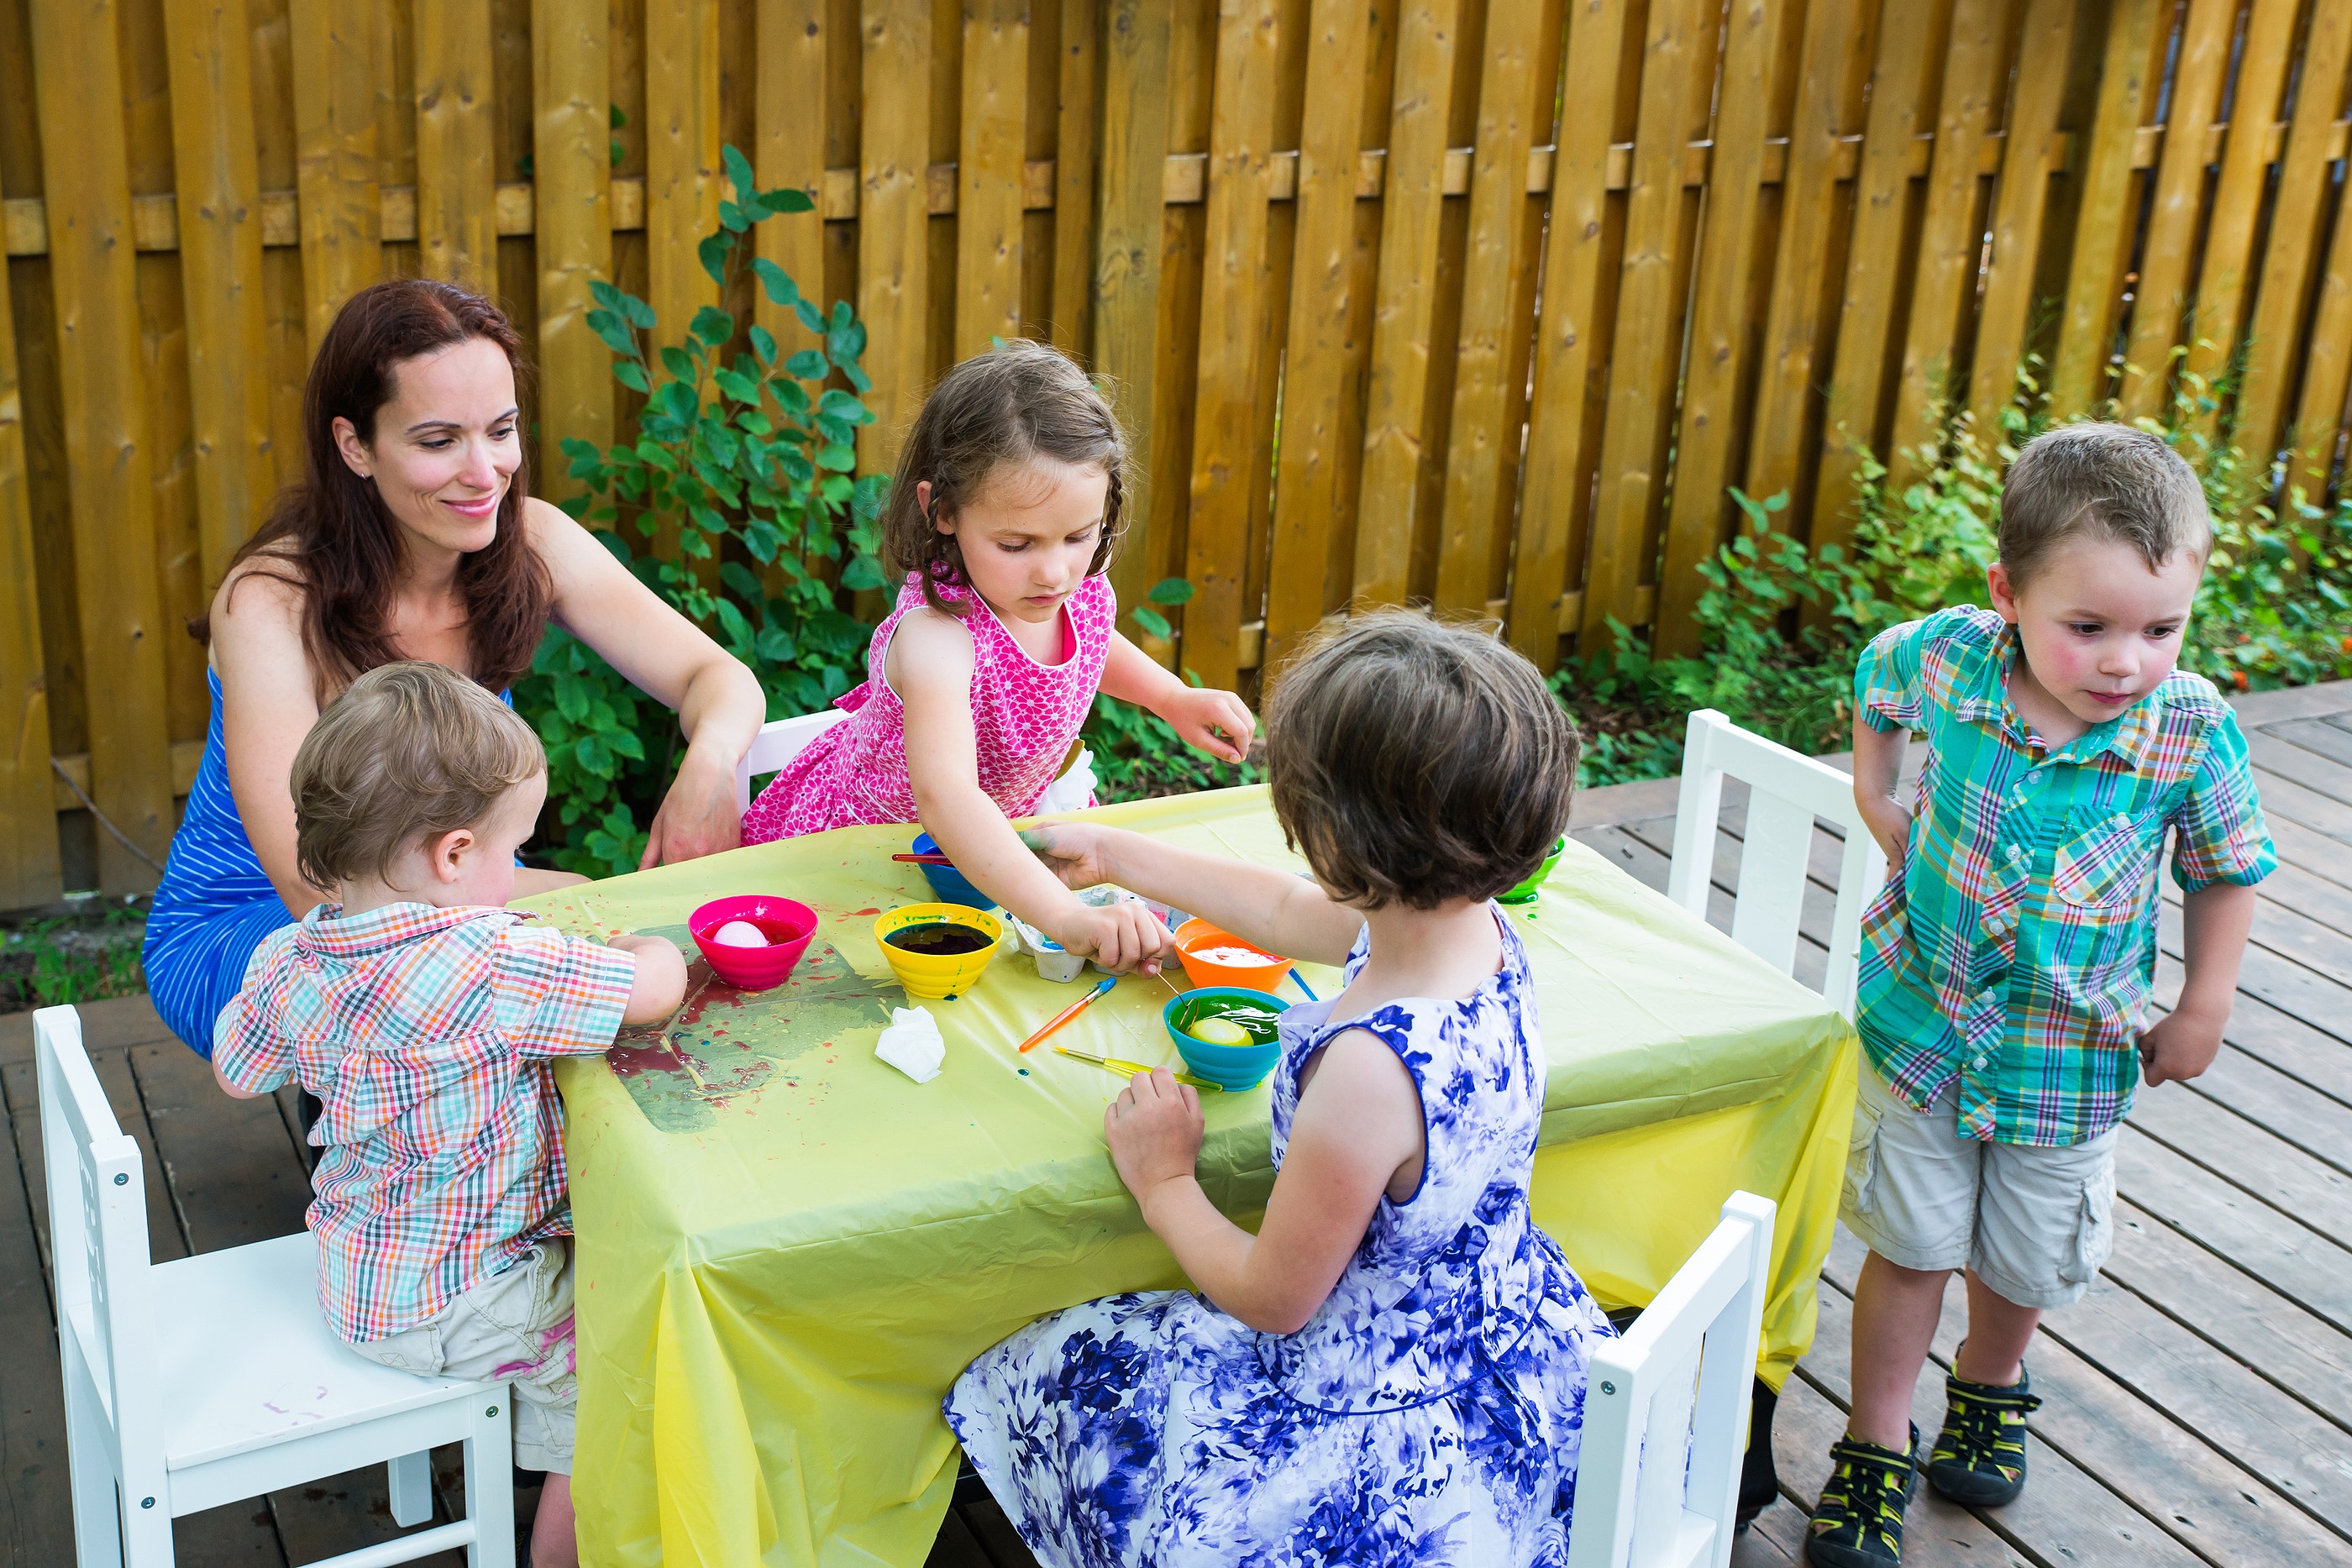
514	1327
2032	1222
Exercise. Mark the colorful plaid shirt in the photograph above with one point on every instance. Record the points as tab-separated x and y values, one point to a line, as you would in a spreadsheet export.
426	1033
2014	948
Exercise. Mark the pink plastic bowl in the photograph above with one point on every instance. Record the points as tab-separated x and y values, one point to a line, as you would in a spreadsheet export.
786	922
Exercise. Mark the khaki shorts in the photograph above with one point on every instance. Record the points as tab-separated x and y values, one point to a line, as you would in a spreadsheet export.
2032	1222
514	1327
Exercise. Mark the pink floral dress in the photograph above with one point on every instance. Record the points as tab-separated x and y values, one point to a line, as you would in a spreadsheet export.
1023	715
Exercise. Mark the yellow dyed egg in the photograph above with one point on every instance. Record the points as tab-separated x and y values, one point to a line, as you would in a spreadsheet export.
1220	1031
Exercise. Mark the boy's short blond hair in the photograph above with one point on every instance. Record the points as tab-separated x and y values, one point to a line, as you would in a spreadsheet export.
2110	480
408	751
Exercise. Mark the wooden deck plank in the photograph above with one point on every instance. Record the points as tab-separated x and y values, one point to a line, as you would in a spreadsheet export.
2290	1259
2285	984
2313	853
2329	737
2177	1481
2298	803
233	1172
35	1507
2278	1040
2249	1159
2292	702
2315	771
2319	1126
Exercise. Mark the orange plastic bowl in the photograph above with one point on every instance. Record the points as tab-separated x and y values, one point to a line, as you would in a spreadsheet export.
786	922
1263	973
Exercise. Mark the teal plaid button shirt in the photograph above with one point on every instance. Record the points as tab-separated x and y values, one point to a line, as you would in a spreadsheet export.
2014	948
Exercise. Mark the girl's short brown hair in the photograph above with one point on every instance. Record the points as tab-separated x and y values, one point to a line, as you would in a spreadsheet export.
1414	762
410	750
1018	402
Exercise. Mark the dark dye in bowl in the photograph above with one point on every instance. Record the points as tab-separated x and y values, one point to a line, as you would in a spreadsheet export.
938	939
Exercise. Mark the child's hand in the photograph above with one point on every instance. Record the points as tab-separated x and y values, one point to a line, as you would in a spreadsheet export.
1077	852
1154	1131
660	984
2179	1047
1889	822
1119	937
1218	723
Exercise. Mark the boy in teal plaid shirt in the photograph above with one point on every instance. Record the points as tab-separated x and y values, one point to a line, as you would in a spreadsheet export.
2008	962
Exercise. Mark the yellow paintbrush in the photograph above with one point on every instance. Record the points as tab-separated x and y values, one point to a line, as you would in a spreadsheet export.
1118	1064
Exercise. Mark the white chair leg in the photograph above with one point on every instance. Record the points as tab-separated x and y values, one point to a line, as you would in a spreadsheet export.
489	1483
98	1518
410	1482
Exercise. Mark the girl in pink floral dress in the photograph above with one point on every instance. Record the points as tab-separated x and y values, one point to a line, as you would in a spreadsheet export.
1007	506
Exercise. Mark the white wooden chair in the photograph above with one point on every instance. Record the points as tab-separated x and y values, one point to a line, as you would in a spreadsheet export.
779	741
209	1379
1665	1412
1786	793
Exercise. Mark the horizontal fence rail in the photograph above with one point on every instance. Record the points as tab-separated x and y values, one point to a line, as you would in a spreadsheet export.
1484	303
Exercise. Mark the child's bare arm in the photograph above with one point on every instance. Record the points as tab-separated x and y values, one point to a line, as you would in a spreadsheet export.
1877	771
1358	1124
2217	919
660	983
1279	912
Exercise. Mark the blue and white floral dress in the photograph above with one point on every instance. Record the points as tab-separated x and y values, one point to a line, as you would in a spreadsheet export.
1430	1412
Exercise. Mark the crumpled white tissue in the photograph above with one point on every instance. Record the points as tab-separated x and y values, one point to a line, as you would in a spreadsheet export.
1073	791
913	1044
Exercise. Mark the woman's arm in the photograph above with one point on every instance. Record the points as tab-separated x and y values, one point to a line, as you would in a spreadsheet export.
928	663
718	702
269	704
1279	912
1356	1130
1218	723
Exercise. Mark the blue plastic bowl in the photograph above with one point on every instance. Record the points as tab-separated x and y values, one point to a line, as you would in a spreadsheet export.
1227	1066
951	884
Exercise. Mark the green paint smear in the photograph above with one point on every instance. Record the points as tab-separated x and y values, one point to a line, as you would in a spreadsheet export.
726	1044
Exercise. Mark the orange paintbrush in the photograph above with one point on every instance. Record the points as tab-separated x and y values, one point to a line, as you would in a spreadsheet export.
1073	1011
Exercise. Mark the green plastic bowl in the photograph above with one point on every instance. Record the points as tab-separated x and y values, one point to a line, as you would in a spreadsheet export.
1526	892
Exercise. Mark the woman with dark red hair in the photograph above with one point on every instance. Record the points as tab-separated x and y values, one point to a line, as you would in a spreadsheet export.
411	536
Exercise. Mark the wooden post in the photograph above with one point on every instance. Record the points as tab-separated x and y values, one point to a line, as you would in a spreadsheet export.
1511	101
2238	196
2019	204
219	208
1319	386
1127	236
1718	325
457	188
894	220
1233	335
1074	178
990	160
86	182
28	820
2160	298
789	154
340	207
2103	221
572	179
684	181
1404	301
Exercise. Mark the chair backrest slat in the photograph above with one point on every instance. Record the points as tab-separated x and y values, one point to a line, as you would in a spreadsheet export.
778	742
1787	794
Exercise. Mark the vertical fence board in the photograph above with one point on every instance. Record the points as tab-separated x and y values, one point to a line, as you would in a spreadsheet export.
1130	235
333	70
1405	297
1643	363
1787	378
893	217
1078	110
28	822
2327	364
2262	61
789	152
219	208
2160	298
2104	219
2020	203
2285	290
683	179
1232	330
989	159
571	179
1718	323
1493	276
86	184
1320	365
456	231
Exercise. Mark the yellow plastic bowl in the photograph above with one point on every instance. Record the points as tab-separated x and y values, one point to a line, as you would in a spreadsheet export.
933	977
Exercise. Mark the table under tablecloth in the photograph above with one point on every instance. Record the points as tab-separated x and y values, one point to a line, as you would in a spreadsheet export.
787	1250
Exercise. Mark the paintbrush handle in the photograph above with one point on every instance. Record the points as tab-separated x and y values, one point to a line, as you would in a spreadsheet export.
923	859
1073	1011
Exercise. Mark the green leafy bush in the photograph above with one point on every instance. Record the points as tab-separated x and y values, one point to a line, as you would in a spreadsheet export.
742	467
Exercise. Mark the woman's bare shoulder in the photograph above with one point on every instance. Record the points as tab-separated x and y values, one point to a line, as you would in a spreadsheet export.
263	590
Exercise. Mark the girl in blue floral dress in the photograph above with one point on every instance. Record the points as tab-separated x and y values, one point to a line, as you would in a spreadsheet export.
1391	1371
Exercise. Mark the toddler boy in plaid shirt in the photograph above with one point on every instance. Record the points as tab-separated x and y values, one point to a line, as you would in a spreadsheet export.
426	1017
2007	963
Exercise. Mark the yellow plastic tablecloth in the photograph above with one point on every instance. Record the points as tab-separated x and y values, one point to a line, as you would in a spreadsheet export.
787	1250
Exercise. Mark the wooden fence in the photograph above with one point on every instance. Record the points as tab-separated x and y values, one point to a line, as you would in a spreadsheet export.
1478	301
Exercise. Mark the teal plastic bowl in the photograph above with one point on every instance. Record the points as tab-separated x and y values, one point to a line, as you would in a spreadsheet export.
1227	1066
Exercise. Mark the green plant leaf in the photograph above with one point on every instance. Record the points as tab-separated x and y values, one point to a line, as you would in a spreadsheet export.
862	573
712	254
738	173
640	314
675	361
808	365
1171	591
1152	621
630	374
763	345
786	199
713	326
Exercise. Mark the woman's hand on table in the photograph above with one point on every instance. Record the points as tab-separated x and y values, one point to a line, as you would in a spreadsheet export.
698	816
1119	937
1077	852
1154	1130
